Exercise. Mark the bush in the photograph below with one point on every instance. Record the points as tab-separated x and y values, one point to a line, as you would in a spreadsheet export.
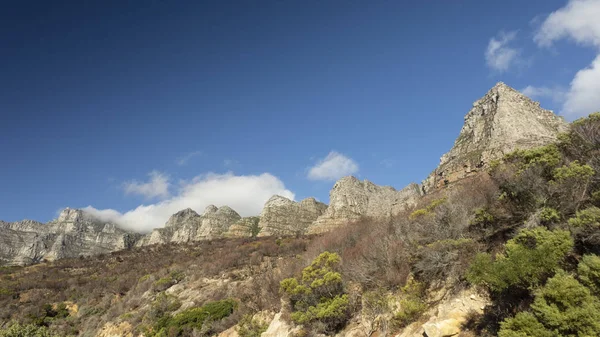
563	307
547	157
587	217
251	327
549	216
571	183
375	305
427	210
529	258
318	296
589	272
194	319
412	305
18	330
441	259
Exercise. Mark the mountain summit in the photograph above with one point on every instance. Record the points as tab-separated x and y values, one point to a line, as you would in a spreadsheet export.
502	121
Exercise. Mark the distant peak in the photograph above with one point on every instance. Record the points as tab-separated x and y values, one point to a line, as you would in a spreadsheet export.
70	215
181	217
210	209
278	200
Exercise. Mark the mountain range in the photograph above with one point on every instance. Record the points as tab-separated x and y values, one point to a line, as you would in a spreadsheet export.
500	122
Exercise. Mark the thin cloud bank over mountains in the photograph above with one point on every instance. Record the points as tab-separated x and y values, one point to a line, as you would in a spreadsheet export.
246	194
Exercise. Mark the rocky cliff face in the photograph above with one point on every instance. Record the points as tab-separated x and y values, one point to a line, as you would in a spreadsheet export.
187	226
500	122
73	233
351	199
282	216
244	228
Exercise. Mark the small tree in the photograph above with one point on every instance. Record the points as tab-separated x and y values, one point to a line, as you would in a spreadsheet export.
572	182
563	307
529	258
318	296
589	272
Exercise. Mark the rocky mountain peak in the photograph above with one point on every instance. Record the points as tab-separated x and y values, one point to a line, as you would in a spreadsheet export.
210	209
350	199
70	215
227	212
500	122
278	200
282	216
184	216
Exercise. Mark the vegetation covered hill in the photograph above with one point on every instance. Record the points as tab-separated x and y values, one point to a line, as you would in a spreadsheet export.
525	233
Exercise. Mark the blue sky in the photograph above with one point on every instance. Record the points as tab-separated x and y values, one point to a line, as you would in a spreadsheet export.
138	108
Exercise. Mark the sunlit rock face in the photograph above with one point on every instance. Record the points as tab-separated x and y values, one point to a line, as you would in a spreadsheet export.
352	199
500	122
74	233
282	216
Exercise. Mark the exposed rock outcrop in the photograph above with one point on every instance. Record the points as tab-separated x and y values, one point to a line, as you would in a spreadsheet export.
187	226
244	228
282	216
74	233
449	316
500	122
351	199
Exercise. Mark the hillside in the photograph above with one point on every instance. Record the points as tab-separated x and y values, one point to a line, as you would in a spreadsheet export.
500	240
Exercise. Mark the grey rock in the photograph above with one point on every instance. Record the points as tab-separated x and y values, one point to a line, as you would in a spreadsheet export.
188	226
244	228
282	216
352	199
74	233
500	122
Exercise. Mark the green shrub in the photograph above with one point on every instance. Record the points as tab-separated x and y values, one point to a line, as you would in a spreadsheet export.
251	327
549	216
375	305
563	307
529	258
18	330
318	296
185	322
547	157
587	217
596	198
427	210
589	272
412	304
482	217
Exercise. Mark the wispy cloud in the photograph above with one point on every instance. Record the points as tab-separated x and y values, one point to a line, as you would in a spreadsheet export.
230	163
577	21
156	186
245	194
557	94
333	167
499	55
183	160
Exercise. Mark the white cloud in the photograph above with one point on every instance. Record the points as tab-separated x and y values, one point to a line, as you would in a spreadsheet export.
578	21
245	194
158	186
584	96
333	167
499	56
557	94
181	161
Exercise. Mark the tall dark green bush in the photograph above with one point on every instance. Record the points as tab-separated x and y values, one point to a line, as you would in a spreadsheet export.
529	258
